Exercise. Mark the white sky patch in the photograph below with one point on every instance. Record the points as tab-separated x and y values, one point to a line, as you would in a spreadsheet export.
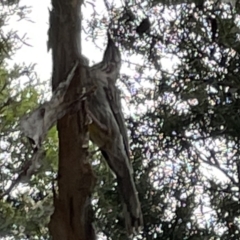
36	37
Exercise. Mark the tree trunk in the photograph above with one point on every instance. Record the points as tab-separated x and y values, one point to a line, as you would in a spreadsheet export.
71	219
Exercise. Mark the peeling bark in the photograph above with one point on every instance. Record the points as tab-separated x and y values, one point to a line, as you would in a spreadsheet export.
71	218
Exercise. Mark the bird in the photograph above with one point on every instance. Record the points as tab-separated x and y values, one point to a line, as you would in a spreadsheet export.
108	131
144	26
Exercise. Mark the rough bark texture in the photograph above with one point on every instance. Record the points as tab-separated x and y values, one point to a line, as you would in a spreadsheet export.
72	216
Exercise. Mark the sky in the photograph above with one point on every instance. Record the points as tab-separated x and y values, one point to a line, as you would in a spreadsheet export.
37	37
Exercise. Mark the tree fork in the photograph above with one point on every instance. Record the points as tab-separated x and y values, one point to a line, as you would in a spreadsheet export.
72	217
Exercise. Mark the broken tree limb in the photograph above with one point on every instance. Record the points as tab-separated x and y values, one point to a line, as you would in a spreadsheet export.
37	123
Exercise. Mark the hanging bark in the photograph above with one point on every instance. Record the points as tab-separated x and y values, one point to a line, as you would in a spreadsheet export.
72	218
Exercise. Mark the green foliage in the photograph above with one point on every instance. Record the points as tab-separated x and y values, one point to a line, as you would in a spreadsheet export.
184	131
25	212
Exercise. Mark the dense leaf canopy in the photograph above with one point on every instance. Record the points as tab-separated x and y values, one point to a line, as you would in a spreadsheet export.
181	88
